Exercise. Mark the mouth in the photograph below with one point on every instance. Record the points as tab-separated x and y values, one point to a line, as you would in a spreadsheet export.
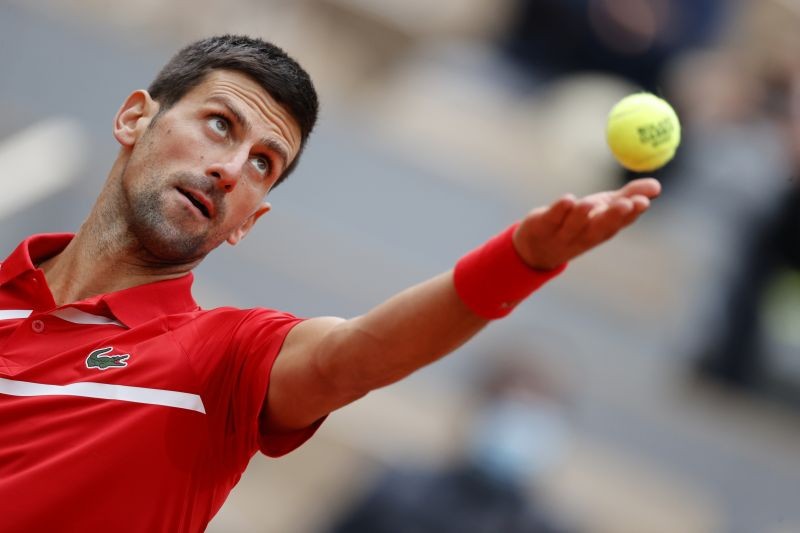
198	200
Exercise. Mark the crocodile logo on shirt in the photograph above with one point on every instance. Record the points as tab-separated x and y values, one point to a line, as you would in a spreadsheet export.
99	360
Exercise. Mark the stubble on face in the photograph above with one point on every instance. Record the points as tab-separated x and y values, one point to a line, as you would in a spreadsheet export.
159	235
168	233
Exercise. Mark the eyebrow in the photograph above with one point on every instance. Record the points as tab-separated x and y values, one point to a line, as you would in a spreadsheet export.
270	143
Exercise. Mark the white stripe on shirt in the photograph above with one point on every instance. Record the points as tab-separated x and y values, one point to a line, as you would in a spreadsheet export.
106	391
8	314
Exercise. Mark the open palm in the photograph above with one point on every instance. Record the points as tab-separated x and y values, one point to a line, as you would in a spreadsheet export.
550	236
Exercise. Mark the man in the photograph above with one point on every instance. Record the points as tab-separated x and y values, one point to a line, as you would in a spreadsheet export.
126	407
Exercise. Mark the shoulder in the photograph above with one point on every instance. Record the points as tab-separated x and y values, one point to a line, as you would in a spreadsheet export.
229	326
234	317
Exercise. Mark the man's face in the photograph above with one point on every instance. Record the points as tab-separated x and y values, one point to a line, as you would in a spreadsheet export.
199	173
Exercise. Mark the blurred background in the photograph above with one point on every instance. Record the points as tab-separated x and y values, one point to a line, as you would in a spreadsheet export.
651	388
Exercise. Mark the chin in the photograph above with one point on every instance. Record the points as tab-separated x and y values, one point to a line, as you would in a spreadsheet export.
171	245
169	237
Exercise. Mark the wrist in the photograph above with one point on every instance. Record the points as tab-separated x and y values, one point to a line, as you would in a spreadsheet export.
493	279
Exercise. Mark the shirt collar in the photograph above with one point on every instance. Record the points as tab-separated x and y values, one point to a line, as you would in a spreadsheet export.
132	306
34	249
136	305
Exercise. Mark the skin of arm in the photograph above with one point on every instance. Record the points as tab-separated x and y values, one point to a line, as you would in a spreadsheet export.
328	362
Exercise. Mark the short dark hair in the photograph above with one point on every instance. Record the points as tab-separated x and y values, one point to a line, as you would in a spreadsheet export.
272	68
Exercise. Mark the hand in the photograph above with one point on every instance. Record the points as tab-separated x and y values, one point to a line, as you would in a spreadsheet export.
550	236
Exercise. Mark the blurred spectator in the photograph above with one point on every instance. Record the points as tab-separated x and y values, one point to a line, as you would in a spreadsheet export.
740	104
516	436
631	38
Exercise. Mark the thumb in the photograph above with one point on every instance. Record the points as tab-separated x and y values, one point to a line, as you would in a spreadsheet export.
554	215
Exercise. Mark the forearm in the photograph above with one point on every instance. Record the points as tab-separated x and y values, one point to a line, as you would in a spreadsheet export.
410	330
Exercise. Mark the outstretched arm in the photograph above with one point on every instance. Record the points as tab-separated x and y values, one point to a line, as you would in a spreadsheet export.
328	362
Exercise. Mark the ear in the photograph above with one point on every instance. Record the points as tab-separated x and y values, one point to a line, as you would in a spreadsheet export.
133	117
239	233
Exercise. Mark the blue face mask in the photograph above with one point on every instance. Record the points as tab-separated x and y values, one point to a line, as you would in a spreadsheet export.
515	441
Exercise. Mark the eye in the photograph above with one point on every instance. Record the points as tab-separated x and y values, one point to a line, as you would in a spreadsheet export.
219	125
262	164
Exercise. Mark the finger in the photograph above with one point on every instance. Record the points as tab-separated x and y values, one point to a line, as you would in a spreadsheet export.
613	219
609	202
577	219
557	212
647	187
640	203
550	218
598	210
620	208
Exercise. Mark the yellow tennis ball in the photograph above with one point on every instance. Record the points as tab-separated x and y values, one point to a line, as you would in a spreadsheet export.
643	132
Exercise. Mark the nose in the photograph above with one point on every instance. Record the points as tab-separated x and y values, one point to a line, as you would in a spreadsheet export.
227	170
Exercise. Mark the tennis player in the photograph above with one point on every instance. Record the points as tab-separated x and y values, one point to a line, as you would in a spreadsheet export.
126	407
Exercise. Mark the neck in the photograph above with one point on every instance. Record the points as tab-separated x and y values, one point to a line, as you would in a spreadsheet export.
105	255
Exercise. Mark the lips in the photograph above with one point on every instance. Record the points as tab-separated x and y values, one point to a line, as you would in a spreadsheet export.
199	200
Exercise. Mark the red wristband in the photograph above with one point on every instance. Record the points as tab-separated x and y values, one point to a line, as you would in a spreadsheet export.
492	279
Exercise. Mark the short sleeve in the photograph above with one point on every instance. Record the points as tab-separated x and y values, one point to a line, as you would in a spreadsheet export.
256	344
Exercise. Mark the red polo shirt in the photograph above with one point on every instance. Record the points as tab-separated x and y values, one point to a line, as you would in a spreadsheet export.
130	411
